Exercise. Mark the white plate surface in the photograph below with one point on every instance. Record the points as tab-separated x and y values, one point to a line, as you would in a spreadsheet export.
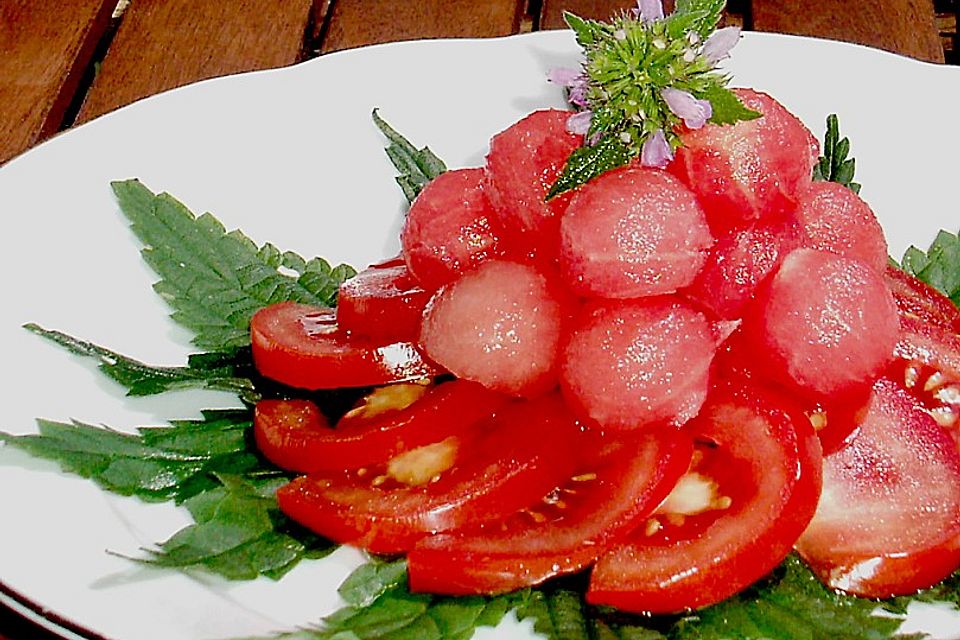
291	157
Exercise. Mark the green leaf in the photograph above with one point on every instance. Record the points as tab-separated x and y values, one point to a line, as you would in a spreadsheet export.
791	604
215	280
586	31
157	463
712	11
417	167
947	592
588	162
239	534
381	607
372	580
938	266
727	107
834	165
227	371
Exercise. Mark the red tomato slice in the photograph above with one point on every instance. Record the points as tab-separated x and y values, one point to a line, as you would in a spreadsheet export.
920	300
566	533
526	450
888	522
383	301
302	346
752	489
294	435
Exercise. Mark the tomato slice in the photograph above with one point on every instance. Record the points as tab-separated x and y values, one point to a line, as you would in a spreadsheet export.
294	435
526	450
751	490
888	522
302	346
921	301
563	534
384	301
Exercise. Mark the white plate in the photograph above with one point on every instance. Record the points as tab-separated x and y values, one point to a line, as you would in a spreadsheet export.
291	156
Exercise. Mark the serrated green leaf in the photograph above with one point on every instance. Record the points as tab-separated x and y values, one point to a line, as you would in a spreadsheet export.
226	371
588	162
938	266
712	11
727	107
372	580
239	534
585	31
834	165
156	463
417	167
791	604
215	280
382	608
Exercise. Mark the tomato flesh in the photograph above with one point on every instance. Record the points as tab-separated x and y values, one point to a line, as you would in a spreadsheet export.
920	301
566	533
302	346
764	461
294	435
525	451
888	522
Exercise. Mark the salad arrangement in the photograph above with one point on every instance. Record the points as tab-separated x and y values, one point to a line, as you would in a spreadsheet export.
681	481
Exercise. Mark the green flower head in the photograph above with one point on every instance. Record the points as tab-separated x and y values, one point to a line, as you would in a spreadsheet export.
645	76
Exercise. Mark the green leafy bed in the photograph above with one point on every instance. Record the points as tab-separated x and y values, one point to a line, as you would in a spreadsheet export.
214	280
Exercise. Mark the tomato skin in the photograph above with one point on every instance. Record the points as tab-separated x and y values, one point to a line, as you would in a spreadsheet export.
601	503
302	346
889	520
764	454
294	435
383	302
921	302
526	450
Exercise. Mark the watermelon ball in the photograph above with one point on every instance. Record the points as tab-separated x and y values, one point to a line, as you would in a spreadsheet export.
836	219
748	170
638	363
824	326
738	263
448	229
632	232
499	325
523	163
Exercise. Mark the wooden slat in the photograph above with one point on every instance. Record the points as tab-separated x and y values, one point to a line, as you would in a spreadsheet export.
354	23
903	26
551	14
44	49
163	44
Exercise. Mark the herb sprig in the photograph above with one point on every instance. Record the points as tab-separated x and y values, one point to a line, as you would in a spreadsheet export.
644	76
834	165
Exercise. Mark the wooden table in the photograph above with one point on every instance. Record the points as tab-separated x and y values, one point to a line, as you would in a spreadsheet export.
66	62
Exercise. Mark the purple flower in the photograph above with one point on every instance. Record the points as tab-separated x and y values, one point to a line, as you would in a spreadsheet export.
574	80
656	151
718	45
579	123
694	112
649	10
563	75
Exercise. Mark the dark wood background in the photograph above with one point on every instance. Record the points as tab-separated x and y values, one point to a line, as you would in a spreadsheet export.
69	61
